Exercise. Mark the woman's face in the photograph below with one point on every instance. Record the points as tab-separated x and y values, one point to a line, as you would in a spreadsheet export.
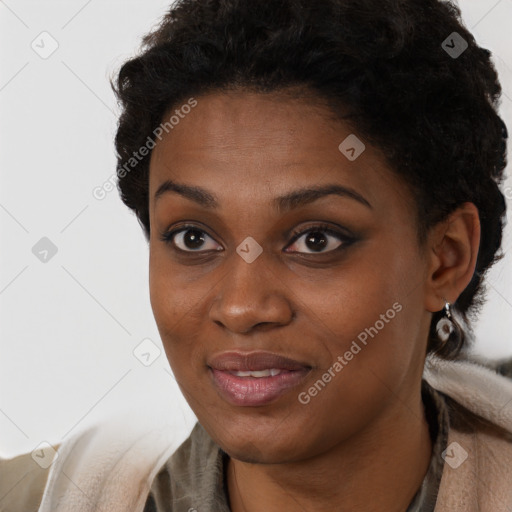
239	287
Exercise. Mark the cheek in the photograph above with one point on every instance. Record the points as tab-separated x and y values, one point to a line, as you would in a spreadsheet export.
160	282
168	299
179	308
368	320
355	295
370	312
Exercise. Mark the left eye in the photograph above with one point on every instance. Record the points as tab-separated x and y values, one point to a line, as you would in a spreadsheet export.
318	240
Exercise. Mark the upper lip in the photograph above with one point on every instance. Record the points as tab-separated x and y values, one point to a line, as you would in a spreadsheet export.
253	361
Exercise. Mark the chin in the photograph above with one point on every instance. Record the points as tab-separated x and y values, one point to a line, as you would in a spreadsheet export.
262	454
264	445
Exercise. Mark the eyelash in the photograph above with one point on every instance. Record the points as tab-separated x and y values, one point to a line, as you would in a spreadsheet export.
168	237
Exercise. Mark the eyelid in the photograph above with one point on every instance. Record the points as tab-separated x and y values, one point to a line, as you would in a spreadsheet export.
322	227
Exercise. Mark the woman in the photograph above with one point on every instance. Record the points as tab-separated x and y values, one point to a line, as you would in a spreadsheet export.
319	184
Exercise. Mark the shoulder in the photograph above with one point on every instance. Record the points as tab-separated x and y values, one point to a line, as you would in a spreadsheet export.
475	387
22	481
477	471
112	463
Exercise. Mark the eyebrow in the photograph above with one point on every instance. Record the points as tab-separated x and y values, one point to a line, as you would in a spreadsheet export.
289	201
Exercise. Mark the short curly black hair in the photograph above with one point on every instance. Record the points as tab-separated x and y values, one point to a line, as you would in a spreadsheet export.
384	66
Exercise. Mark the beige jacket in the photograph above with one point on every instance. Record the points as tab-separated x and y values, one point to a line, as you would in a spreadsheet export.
110	467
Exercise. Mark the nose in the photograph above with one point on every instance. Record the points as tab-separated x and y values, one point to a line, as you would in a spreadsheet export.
251	296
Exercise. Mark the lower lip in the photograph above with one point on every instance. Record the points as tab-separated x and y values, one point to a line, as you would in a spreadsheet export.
253	391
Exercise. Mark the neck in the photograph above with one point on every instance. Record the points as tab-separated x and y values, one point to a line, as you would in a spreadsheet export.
378	469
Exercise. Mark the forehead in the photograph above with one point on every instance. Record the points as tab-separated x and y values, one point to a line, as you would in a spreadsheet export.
261	143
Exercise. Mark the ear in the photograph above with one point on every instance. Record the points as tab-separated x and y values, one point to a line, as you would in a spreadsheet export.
452	253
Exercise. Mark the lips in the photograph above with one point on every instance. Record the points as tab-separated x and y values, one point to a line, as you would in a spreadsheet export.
255	378
253	361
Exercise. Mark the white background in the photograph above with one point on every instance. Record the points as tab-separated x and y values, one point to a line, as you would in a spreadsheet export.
68	327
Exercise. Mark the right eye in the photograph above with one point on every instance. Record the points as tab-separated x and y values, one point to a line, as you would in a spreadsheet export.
189	239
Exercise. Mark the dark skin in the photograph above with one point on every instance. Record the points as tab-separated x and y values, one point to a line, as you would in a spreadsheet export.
362	443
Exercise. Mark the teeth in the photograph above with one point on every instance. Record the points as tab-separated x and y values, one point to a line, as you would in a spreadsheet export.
261	373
